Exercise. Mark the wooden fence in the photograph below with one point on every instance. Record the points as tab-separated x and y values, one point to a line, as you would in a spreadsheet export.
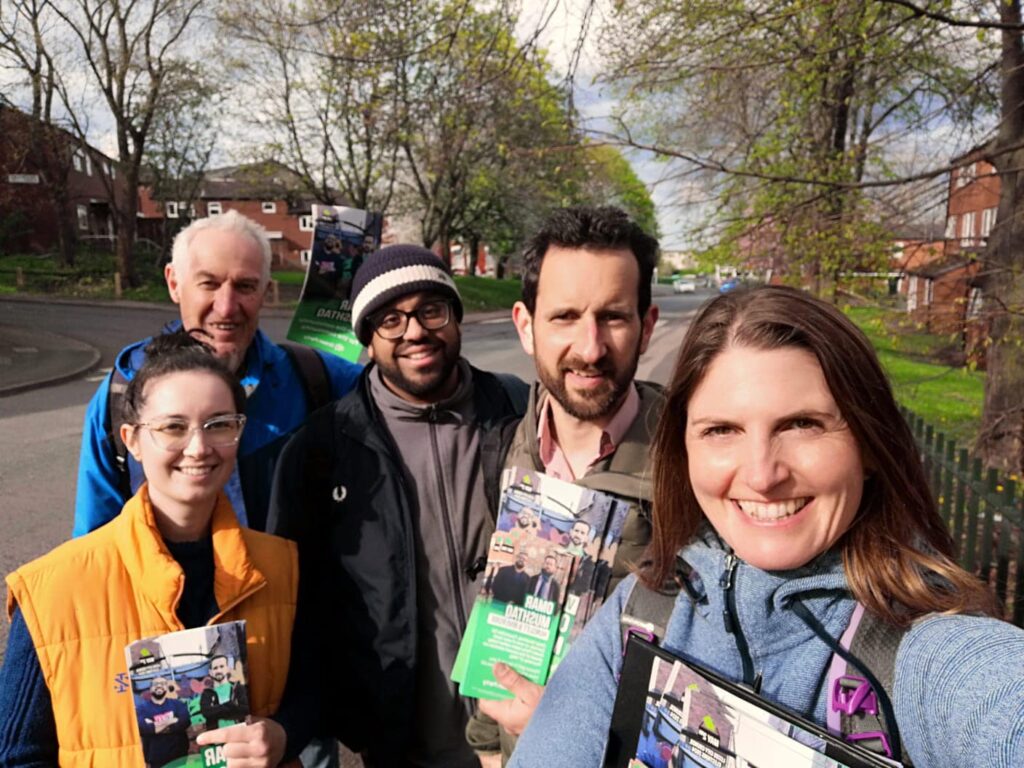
983	511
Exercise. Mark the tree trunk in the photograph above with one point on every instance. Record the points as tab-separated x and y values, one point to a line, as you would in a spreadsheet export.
474	246
125	225
67	232
1001	442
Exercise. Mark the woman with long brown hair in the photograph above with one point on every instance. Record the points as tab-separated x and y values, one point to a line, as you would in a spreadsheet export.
789	502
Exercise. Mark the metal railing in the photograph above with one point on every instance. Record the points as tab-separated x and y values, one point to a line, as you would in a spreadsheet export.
983	511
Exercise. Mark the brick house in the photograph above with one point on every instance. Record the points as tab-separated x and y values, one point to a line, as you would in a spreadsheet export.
269	193
973	199
945	295
912	254
30	183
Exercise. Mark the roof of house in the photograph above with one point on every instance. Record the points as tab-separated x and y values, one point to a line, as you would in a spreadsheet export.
17	113
266	180
941	266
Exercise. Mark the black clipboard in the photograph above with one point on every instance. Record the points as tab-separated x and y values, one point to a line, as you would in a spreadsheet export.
631	701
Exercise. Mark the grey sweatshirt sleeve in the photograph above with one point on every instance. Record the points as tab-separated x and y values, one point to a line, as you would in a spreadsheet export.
959	693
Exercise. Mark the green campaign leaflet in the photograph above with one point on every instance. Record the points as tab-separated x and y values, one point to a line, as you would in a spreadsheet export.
548	568
184	683
342	237
586	522
515	618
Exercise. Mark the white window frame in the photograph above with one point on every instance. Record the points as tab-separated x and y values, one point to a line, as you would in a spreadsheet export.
78	161
268	206
214	208
965	175
974	303
912	294
171	209
929	291
988	221
951	227
88	164
306	223
967	234
304	256
83	217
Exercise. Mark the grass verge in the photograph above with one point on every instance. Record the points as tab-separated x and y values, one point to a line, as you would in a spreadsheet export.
485	294
946	396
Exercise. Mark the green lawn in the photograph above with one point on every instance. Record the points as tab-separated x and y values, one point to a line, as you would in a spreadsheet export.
482	294
289	277
949	398
91	277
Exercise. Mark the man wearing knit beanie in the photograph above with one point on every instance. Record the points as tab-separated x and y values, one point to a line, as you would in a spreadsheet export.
385	494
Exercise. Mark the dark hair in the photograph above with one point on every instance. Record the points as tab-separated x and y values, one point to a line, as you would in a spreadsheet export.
603	228
897	554
176	352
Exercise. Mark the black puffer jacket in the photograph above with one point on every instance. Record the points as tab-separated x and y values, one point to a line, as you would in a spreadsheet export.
339	492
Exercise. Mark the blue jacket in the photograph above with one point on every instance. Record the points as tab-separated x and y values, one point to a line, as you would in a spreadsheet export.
275	408
959	687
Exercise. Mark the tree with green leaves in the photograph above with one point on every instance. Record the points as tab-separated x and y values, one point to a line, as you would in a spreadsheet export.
790	112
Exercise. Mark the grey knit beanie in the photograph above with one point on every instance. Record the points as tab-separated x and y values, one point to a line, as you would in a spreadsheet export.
393	272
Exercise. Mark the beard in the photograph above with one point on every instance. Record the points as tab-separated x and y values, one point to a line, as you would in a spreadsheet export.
423	385
592	404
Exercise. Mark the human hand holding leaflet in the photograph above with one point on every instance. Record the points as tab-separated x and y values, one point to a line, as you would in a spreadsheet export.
513	714
260	743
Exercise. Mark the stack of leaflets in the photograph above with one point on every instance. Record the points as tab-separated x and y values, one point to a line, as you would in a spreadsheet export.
342	238
548	569
184	683
670	712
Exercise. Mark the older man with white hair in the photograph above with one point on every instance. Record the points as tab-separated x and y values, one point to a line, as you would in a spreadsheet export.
218	276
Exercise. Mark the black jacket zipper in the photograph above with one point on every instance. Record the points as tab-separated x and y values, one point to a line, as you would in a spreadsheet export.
731	619
454	570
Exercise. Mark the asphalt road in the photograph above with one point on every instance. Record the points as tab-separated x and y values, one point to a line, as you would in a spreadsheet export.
40	430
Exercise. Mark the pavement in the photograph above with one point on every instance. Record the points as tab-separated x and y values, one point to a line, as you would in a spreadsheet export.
31	358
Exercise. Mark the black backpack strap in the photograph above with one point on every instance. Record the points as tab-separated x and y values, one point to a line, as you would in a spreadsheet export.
865	687
494	447
646	612
876	643
312	372
115	418
517	390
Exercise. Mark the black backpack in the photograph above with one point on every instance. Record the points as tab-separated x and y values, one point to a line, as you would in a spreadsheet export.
309	365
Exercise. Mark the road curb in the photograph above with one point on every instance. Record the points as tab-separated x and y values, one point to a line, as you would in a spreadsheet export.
91	359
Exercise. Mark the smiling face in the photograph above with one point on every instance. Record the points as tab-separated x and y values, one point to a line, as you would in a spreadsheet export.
586	334
183	484
221	291
579	534
420	366
158	689
219	669
772	462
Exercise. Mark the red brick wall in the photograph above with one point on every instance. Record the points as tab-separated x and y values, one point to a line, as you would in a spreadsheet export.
287	249
33	203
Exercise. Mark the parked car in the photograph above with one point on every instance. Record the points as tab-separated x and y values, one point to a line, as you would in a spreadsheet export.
684	285
729	285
